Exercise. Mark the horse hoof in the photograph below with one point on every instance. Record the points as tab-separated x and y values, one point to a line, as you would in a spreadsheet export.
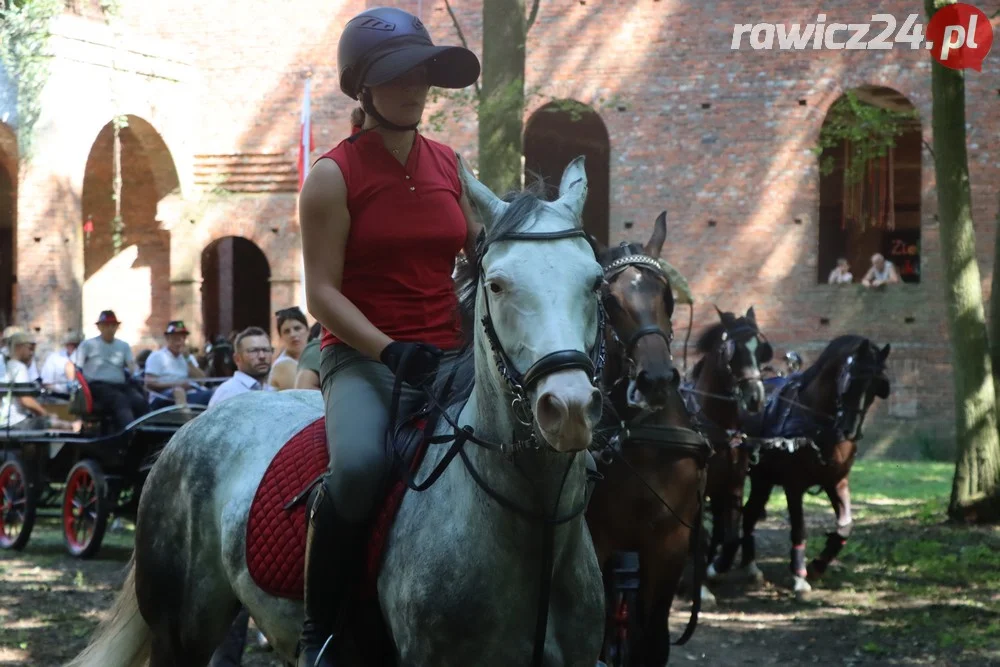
754	575
708	600
802	589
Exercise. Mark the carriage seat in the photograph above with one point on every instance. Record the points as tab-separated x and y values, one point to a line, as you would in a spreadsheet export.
81	404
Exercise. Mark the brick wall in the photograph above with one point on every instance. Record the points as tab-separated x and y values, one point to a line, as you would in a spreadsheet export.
707	133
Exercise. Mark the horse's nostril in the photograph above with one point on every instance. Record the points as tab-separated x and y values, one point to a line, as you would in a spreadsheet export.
550	412
595	407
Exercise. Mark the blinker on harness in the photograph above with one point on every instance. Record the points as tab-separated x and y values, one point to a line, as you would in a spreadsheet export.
518	384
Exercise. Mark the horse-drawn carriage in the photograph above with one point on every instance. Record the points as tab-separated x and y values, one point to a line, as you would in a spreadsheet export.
87	474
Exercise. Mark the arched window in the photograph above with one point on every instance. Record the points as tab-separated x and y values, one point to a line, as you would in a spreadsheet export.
554	136
873	207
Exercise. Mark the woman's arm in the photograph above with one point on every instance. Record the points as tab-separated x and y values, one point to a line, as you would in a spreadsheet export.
283	375
472	228
325	223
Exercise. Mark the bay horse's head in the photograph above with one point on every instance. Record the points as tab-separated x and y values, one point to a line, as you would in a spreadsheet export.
640	303
734	350
535	284
845	380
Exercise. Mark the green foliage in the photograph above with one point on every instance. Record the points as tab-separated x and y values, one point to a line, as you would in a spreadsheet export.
868	130
24	37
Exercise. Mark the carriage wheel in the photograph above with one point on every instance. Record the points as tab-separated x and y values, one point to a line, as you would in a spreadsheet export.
17	506
85	509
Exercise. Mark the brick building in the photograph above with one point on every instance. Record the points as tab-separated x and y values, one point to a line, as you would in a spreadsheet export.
670	118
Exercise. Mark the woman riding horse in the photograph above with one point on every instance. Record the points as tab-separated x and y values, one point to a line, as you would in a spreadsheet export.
383	217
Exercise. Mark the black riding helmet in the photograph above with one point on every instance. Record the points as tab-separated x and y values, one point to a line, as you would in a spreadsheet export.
383	43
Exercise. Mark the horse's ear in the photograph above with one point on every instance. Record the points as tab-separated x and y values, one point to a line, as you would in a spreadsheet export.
490	206
751	316
884	353
721	316
655	244
573	188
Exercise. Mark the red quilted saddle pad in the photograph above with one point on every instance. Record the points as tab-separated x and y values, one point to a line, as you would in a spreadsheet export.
276	537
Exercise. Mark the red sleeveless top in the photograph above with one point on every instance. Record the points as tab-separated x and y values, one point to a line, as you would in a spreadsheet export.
406	229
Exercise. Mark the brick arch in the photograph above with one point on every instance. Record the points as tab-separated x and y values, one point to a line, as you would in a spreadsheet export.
8	222
235	286
897	234
558	132
136	282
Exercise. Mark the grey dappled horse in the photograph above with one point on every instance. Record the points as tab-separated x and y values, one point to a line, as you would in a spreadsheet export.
460	580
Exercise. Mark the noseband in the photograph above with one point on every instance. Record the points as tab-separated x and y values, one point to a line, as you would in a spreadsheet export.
561	360
649	264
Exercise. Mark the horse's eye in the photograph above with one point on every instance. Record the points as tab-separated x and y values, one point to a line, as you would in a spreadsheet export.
495	288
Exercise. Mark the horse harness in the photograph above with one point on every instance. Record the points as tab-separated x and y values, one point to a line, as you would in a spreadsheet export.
635	432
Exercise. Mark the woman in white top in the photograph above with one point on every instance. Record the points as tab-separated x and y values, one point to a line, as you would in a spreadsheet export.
293	331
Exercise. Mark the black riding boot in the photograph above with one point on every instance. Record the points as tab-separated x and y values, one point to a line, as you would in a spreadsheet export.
334	555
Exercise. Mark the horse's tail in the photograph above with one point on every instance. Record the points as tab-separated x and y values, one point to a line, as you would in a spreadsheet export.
123	639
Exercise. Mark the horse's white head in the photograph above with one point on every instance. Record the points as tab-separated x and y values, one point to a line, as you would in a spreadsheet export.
541	296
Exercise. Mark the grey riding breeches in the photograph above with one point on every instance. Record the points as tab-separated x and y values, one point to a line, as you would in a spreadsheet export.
357	391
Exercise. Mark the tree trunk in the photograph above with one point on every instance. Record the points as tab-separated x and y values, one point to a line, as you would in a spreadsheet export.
995	310
501	101
975	492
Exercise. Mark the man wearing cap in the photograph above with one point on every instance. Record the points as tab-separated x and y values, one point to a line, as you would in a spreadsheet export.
54	368
107	364
169	370
21	412
5	351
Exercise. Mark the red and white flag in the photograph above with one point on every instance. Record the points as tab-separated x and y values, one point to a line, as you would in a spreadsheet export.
306	141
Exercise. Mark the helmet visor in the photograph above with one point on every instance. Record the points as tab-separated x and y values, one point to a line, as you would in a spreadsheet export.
447	66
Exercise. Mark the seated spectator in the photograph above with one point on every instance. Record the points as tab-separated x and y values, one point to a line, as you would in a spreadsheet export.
882	273
842	274
107	365
252	354
5	352
21	412
293	329
54	368
169	371
308	371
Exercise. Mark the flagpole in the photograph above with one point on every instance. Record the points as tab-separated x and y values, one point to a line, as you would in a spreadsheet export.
305	145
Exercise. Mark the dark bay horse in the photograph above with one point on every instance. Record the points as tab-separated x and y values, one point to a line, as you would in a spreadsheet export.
649	499
827	404
727	380
218	361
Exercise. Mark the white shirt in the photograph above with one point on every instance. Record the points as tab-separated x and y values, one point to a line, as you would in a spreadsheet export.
168	368
54	370
11	412
240	383
33	373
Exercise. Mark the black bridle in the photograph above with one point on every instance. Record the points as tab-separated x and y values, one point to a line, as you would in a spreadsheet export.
518	384
677	440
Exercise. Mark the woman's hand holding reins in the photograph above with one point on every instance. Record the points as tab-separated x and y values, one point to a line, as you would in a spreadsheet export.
415	363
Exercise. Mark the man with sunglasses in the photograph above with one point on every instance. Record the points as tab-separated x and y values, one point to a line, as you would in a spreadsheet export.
252	353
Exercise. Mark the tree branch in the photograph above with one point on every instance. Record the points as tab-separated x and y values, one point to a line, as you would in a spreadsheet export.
531	16
461	36
930	149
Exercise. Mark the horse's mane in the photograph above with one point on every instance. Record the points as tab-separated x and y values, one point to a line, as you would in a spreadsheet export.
838	348
523	207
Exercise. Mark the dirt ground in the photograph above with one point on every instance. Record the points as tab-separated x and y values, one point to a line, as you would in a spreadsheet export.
866	613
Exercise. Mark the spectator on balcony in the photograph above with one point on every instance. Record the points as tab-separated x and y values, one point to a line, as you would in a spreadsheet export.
842	274
881	273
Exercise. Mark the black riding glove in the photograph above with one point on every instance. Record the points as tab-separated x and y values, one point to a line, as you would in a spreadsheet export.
415	363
